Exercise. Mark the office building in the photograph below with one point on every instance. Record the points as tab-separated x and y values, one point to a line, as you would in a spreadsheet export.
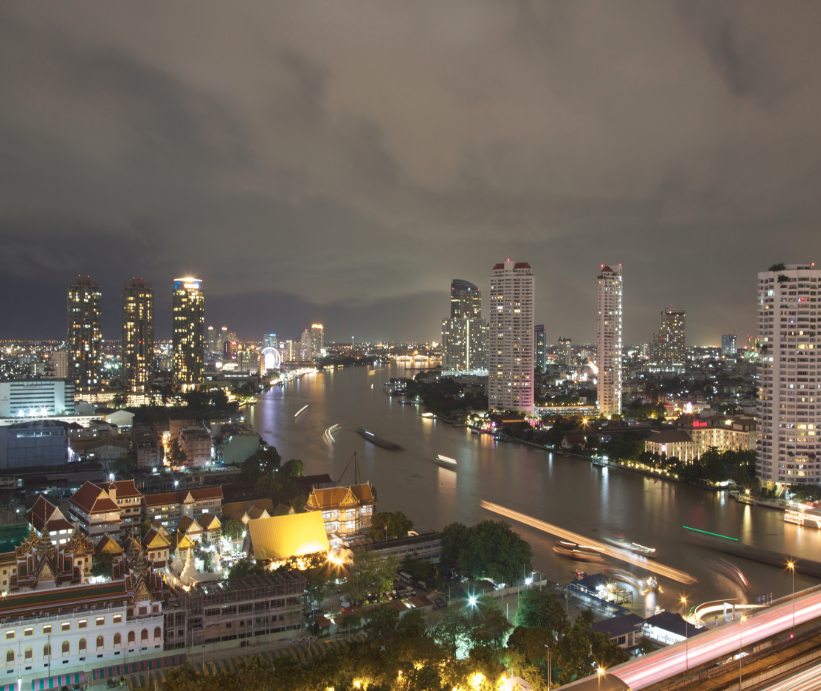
465	300
317	339
270	341
33	444
36	397
84	338
788	411
213	340
290	351
138	334
565	351
306	351
609	340
540	347
188	323
510	337
729	345
670	346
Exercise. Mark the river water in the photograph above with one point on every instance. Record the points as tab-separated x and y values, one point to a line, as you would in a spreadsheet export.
565	492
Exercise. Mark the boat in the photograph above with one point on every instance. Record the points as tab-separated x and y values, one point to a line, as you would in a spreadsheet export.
572	550
428	415
407	401
446	461
731	571
377	441
600	463
640	584
634	547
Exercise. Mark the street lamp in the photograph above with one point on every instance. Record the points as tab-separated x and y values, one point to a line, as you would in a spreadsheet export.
791	567
600	670
686	657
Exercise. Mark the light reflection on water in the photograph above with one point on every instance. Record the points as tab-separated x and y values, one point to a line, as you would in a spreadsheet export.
562	491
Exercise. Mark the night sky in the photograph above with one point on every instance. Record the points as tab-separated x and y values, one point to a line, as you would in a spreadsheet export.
342	162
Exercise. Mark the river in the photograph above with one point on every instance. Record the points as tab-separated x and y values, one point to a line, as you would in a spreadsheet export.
565	492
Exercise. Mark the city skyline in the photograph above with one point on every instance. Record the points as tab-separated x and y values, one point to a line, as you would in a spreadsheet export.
167	157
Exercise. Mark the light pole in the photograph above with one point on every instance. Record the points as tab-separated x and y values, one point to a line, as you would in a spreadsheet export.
686	657
601	674
791	567
740	634
547	645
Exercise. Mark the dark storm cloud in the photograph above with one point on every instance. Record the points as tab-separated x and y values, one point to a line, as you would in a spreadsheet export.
342	162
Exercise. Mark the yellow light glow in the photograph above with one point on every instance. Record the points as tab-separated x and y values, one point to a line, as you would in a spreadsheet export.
477	679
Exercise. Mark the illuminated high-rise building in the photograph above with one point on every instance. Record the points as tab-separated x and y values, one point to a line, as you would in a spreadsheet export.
670	346
609	340
306	351
565	351
269	341
84	338
788	416
729	345
317	339
464	335
138	334
540	347
188	323
465	300
213	340
510	337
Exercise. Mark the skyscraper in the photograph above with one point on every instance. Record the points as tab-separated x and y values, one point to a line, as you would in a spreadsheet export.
510	337
465	300
317	339
608	337
670	346
138	334
213	340
306	351
540	347
270	341
788	412
729	345
188	324
565	351
84	340
464	335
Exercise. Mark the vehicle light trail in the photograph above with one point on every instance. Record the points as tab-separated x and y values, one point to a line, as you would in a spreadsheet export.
717	644
302	409
647	564
808	680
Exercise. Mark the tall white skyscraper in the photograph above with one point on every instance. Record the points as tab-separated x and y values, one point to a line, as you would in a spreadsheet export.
608	334
510	337
789	414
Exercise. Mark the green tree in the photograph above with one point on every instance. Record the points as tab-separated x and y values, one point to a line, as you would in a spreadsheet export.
232	528
392	525
245	567
176	454
123	466
381	624
101	565
540	608
369	572
453	537
293	468
492	550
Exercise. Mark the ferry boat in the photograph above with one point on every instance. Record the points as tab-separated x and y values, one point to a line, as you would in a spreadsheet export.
634	547
446	461
572	550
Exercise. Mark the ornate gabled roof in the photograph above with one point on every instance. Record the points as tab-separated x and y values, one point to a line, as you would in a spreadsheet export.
183	496
126	489
188	526
209	522
108	545
183	542
91	499
155	539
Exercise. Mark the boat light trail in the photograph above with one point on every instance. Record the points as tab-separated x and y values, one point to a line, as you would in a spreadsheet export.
647	564
707	532
296	415
329	434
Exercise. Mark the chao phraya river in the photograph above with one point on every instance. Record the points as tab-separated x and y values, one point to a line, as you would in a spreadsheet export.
561	491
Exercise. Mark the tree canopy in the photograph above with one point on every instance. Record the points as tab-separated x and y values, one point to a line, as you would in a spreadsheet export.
489	549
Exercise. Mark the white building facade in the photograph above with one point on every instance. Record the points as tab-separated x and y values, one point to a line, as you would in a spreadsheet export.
36	397
510	337
788	411
609	340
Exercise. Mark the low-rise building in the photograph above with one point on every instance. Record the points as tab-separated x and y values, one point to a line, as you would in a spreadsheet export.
47	519
426	546
94	512
196	443
673	443
148	447
345	510
129	499
667	628
244	511
624	631
34	444
237	612
167	508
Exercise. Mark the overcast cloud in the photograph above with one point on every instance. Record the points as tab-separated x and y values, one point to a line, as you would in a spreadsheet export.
343	161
